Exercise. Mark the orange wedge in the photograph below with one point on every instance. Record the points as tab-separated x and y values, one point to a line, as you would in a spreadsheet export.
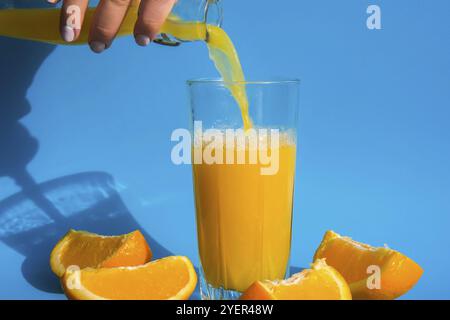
84	249
321	282
361	264
171	278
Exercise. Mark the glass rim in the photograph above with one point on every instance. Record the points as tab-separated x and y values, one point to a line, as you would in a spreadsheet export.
219	81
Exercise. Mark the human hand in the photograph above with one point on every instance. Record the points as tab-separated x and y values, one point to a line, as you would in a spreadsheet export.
108	17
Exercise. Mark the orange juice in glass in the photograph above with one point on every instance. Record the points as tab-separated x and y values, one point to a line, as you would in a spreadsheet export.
243	182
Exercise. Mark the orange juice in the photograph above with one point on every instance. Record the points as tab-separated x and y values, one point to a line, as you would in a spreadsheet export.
244	218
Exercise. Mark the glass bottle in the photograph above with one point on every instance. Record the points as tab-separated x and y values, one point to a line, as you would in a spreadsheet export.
37	20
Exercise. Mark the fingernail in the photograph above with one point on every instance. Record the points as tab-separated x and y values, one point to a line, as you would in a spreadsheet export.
142	40
68	34
97	46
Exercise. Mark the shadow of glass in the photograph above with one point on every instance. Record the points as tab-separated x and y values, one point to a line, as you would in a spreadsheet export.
85	201
293	270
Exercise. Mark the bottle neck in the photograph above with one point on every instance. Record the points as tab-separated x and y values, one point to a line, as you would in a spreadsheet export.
206	12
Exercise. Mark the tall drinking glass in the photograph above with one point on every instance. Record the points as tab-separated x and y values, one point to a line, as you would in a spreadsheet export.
243	182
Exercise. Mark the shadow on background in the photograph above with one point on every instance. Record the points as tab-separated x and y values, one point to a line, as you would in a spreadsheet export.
32	221
84	201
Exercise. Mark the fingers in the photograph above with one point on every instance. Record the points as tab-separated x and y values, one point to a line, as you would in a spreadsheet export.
108	17
72	15
106	23
152	14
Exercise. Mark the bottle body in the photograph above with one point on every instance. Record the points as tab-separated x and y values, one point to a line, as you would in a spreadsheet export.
34	21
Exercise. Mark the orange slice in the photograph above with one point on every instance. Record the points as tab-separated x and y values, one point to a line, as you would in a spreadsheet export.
321	282
84	249
372	273
171	278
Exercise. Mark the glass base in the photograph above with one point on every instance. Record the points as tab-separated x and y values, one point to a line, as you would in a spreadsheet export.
208	292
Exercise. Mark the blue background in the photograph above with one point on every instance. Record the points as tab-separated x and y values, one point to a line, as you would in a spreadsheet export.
85	138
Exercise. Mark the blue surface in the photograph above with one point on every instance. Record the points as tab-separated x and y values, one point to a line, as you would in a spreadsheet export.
85	138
